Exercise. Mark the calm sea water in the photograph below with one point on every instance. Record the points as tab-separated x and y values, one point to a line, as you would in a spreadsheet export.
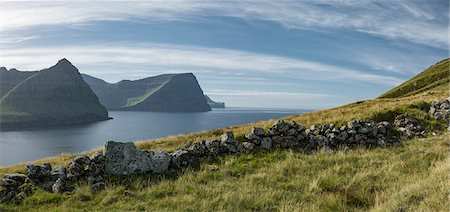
32	144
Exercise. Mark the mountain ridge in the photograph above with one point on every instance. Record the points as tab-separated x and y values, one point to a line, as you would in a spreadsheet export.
433	79
52	96
162	93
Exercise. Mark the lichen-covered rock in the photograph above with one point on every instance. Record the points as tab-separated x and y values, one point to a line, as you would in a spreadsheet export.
11	185
39	173
258	131
59	172
266	143
441	110
213	147
97	165
159	161
280	127
76	171
230	145
248	146
20	178
198	149
126	159
82	159
285	142
408	126
59	186
8	195
181	159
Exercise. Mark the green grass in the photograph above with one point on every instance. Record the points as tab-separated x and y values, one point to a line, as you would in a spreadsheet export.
412	176
437	77
409	177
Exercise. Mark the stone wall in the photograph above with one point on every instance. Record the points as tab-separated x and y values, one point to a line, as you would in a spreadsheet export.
441	110
125	159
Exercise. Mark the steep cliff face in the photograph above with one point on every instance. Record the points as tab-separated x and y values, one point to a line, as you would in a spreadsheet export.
11	78
54	96
164	93
214	104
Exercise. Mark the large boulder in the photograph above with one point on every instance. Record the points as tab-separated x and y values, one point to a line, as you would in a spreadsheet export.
126	159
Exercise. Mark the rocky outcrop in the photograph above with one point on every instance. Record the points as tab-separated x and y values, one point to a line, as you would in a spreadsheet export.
125	159
409	126
214	104
441	109
163	93
54	96
14	188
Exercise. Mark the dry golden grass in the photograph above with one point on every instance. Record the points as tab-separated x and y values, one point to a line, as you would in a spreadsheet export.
409	177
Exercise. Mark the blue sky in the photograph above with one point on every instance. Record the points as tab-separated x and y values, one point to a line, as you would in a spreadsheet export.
271	54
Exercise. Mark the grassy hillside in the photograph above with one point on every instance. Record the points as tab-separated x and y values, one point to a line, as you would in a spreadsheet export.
435	79
413	176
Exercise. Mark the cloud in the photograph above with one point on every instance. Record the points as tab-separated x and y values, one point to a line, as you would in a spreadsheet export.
422	22
164	58
256	93
267	99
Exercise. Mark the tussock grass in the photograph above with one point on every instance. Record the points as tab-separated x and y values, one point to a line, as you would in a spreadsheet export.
413	176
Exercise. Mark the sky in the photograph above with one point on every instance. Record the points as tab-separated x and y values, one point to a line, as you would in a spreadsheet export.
268	54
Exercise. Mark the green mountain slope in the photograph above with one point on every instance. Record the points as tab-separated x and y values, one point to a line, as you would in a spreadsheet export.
11	78
435	79
54	96
164	93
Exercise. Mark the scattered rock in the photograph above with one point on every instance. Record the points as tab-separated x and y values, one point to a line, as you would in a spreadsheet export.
441	110
408	126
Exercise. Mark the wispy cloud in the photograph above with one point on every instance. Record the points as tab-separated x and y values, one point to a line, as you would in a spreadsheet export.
180	58
423	22
265	99
256	93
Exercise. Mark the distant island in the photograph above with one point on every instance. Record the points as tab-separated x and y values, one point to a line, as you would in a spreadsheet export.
163	93
53	96
214	104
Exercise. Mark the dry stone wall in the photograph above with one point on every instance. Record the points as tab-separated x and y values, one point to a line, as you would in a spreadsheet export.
125	159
